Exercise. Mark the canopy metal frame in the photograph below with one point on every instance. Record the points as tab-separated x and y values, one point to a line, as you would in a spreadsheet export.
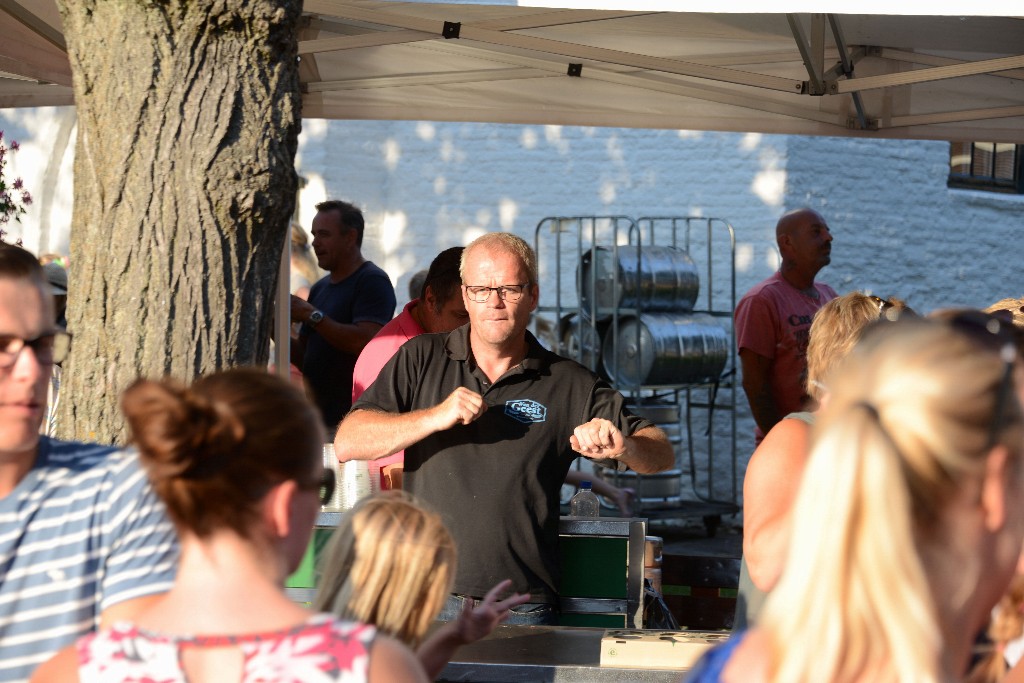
930	77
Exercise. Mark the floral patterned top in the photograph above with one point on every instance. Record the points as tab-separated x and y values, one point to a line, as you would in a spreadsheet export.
321	650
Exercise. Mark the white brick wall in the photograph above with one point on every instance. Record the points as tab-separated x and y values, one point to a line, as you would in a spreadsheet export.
898	229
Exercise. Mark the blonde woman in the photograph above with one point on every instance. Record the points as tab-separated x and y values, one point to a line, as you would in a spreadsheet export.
774	471
391	563
1004	661
905	529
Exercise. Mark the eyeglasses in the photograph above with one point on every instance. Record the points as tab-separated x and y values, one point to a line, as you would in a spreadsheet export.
993	333
326	487
49	348
507	293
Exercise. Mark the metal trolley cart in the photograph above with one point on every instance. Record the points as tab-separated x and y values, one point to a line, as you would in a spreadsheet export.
627	298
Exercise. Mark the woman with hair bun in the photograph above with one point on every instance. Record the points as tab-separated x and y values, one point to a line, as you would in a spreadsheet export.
237	460
906	528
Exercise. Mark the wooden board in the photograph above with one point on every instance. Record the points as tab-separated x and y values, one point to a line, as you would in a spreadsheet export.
656	649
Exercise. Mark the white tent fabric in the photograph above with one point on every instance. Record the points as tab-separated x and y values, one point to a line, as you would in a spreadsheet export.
991	8
884	75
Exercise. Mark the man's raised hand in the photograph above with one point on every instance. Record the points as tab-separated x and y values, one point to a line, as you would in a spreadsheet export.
598	438
461	407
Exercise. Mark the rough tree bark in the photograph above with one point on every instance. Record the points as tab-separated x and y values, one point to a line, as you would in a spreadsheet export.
188	120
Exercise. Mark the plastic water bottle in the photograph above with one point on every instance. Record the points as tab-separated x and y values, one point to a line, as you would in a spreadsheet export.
585	502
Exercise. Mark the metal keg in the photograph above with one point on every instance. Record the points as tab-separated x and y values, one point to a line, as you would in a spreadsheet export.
546	331
580	340
666	348
665	415
658	490
655	279
649	488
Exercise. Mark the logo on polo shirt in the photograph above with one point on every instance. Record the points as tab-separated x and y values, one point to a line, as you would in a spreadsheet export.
525	410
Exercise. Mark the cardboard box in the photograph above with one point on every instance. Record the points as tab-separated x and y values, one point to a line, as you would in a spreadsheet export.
634	649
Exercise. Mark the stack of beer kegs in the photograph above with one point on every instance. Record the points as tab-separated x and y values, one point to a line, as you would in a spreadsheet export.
659	340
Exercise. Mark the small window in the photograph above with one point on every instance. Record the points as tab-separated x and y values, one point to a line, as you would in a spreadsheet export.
992	166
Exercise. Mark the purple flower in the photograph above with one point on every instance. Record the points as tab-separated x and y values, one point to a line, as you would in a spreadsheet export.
26	198
15	145
18	184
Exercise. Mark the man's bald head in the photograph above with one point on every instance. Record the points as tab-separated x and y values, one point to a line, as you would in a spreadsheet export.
805	241
792	221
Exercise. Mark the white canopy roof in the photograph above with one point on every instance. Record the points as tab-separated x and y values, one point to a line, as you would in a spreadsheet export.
942	76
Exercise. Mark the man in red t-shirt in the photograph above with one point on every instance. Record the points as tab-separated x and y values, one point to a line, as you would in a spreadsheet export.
439	308
773	320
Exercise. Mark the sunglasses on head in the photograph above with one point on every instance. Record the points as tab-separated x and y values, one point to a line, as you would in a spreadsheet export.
996	334
882	303
1007	314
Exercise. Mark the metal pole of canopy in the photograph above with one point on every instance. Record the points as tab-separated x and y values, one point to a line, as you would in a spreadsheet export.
812	52
938	73
844	58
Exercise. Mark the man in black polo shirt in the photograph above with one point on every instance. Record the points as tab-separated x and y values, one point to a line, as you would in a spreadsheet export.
490	422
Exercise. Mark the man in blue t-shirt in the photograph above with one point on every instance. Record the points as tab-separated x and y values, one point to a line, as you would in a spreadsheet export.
344	310
84	542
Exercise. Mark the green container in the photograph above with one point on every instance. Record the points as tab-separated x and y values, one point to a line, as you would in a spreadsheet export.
593	566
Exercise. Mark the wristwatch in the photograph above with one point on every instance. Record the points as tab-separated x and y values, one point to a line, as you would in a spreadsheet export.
314	318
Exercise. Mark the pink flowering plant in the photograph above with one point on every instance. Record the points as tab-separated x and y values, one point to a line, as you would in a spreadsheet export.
13	196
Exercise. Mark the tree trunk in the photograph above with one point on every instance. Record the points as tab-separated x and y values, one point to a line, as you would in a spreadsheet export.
188	120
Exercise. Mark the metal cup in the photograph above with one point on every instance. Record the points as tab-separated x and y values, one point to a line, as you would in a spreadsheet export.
355	482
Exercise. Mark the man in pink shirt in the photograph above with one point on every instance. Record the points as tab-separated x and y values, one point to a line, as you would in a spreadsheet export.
439	308
773	320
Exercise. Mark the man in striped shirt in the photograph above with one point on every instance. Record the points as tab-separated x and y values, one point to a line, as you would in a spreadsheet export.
83	540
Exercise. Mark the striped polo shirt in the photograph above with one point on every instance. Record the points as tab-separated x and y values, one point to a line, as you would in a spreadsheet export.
81	532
